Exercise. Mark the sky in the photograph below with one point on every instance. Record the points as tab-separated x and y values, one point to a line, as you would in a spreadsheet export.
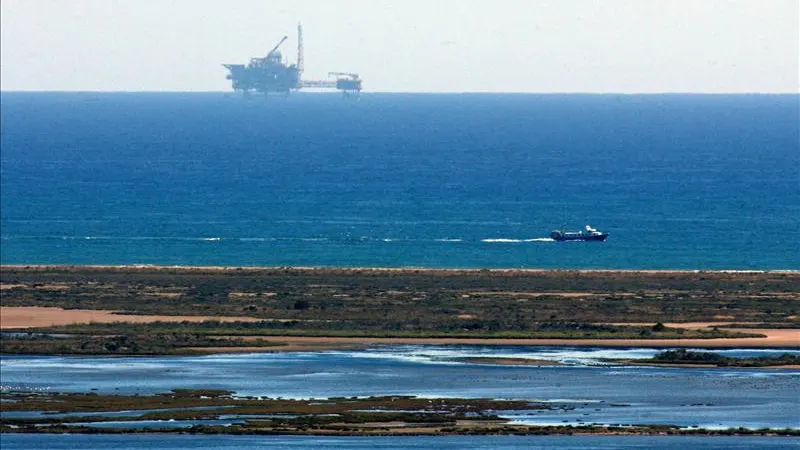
602	46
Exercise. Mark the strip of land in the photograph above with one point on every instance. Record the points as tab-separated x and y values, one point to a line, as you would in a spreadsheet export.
321	308
773	339
24	317
390	415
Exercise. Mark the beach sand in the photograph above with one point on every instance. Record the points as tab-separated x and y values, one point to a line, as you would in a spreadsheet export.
20	317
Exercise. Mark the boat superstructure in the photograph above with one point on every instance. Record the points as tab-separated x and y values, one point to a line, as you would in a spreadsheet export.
589	234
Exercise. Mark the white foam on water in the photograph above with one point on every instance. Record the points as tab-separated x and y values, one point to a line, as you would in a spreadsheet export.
515	241
450	355
568	400
322	374
449	240
256	357
80	365
403	357
561	354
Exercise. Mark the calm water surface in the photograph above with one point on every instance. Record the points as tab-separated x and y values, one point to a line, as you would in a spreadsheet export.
166	442
584	393
680	181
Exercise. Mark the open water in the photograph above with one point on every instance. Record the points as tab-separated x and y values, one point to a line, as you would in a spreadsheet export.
473	180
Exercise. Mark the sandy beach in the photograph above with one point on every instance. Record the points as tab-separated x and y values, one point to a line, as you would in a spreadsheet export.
20	317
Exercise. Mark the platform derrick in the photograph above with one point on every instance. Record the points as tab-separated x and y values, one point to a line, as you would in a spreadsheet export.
271	74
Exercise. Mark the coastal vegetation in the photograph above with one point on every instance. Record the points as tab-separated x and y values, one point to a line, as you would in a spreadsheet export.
156	343
432	329
683	356
387	415
258	304
182	338
414	300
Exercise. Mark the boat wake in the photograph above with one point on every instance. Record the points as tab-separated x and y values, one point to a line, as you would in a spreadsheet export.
256	240
514	241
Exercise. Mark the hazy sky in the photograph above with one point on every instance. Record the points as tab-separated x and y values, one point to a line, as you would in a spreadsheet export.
408	45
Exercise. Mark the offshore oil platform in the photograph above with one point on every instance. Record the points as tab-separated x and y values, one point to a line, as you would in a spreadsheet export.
272	75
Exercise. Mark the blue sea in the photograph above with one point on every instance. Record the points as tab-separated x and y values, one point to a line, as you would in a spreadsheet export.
470	180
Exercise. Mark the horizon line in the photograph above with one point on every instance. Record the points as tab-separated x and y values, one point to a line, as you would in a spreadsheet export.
311	268
314	92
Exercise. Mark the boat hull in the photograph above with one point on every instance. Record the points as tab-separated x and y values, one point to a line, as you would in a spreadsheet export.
597	237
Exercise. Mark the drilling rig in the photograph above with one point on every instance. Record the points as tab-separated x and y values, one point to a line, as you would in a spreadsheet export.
271	74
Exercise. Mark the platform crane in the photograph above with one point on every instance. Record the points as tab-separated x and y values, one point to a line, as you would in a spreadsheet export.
271	74
273	56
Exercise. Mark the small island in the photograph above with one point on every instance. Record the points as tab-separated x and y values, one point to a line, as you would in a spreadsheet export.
687	358
220	412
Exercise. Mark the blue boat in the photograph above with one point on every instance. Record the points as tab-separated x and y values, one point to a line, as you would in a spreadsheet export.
590	234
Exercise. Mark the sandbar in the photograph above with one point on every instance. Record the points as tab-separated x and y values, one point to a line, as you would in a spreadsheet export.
20	317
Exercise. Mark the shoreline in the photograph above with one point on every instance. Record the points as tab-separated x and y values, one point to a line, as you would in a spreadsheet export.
399	429
384	415
359	269
301	342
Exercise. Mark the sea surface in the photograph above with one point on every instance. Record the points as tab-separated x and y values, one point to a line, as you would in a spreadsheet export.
471	180
588	391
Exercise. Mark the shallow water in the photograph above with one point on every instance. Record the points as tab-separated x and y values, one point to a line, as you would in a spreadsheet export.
158	424
169	442
752	398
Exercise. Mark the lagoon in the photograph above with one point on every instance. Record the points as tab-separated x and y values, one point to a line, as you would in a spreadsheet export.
186	442
587	391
